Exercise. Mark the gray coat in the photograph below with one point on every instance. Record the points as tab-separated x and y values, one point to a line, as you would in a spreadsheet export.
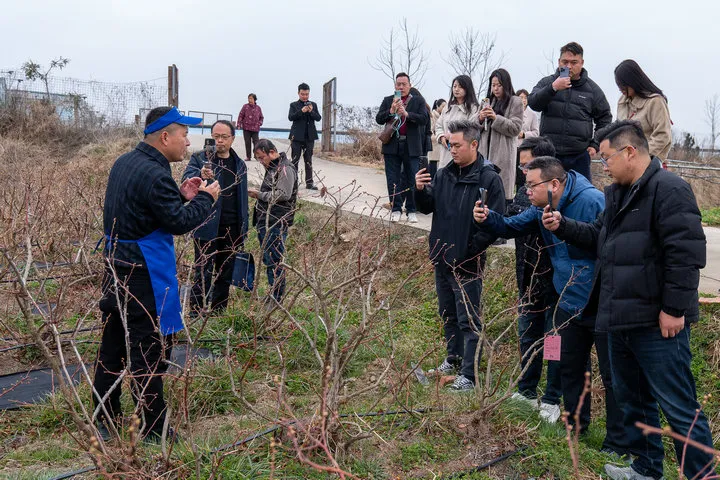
499	145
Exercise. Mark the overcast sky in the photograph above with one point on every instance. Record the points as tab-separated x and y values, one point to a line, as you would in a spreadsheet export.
226	49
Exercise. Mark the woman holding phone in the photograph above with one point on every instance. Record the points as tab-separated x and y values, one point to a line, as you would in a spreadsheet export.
501	120
463	105
644	102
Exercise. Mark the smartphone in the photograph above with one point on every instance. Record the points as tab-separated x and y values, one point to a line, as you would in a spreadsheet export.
564	72
423	163
550	201
307	104
209	146
398	94
483	197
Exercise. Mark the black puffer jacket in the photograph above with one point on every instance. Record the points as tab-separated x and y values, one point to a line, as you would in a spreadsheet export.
650	248
454	236
568	115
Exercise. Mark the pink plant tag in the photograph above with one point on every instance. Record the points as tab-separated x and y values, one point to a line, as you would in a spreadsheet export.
551	348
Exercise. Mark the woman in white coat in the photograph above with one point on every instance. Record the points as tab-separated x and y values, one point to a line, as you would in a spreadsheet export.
463	105
530	126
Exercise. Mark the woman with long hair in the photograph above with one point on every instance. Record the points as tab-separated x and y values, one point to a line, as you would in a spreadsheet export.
644	102
438	107
530	126
463	105
501	119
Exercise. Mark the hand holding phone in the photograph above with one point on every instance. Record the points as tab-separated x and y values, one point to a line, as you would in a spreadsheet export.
564	72
483	197
398	95
550	199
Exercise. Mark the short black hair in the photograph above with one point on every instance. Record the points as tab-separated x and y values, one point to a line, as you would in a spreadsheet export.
470	129
224	122
156	113
521	91
254	96
303	86
264	145
538	146
550	168
623	133
572	47
402	74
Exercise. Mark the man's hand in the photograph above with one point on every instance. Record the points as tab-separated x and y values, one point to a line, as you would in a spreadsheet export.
395	106
309	107
253	192
207	173
189	188
305	109
551	219
671	326
422	178
480	212
592	152
213	189
561	83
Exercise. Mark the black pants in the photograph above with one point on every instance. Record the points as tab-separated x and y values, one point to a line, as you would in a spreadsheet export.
304	148
214	262
580	163
248	137
576	344
147	353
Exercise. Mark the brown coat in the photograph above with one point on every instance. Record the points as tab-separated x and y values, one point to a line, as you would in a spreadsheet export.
654	117
499	145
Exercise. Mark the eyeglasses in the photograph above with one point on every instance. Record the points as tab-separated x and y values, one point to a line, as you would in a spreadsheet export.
604	160
222	137
530	186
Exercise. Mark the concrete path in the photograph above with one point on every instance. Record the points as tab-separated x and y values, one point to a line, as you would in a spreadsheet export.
363	190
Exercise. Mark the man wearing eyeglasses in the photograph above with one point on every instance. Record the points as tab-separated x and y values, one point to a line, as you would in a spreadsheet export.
650	248
574	196
223	233
570	103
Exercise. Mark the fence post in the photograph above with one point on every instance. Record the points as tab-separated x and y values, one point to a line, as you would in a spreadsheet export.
173	86
328	115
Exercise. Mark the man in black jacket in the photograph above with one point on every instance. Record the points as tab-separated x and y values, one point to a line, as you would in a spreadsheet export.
223	233
650	248
274	212
303	114
143	209
569	105
406	145
454	245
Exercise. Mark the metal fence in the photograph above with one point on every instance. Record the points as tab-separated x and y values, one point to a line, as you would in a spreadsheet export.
84	102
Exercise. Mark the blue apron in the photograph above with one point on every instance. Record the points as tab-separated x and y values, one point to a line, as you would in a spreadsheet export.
158	249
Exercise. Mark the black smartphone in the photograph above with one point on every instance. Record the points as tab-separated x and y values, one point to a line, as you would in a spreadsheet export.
550	200
423	163
209	146
483	197
564	72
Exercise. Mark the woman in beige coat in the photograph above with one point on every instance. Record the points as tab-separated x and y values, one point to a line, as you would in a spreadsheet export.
463	105
501	120
437	110
644	102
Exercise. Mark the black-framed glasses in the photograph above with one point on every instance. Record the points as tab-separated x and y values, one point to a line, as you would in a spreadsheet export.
604	160
530	186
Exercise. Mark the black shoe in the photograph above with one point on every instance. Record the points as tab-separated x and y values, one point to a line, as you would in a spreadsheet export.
103	431
311	187
154	437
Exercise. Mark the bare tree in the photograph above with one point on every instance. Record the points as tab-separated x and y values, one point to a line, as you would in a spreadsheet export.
402	51
551	64
474	54
712	117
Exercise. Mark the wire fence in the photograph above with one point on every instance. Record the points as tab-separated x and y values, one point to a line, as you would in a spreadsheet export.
84	102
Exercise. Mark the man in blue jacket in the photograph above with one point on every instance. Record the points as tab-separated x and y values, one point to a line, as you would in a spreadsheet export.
223	232
574	196
454	245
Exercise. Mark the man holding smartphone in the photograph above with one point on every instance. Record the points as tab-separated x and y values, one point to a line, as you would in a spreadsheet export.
571	103
457	245
303	114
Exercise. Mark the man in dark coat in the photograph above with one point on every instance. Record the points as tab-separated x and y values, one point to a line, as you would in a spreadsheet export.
223	233
569	105
454	245
143	209
650	247
303	114
406	146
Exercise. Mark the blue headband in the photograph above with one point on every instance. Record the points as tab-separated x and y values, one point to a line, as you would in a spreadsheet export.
173	116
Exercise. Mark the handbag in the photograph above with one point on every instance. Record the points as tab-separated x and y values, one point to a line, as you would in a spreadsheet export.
244	271
388	130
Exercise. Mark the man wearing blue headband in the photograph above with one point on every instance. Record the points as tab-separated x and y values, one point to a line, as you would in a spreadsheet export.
144	208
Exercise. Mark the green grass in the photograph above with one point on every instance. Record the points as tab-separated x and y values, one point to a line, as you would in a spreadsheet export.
711	216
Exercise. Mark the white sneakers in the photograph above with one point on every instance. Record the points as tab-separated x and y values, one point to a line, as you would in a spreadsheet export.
550	413
412	217
522	398
395	217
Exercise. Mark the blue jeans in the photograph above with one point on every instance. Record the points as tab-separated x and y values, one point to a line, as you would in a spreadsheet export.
649	370
461	316
533	323
273	244
400	173
580	163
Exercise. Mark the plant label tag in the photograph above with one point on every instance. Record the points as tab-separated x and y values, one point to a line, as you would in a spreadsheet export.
551	348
